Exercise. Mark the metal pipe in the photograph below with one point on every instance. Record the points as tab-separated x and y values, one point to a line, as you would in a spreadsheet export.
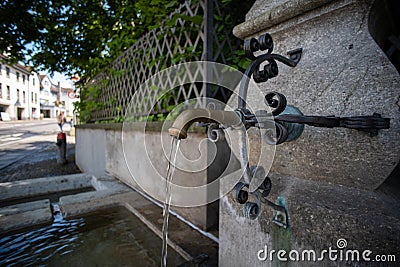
188	117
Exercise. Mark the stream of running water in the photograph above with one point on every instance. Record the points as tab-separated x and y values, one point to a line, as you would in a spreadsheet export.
168	185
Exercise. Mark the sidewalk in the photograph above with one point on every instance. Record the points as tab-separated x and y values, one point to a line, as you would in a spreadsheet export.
42	163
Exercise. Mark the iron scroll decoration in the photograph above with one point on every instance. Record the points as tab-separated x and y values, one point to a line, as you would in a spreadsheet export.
278	103
287	120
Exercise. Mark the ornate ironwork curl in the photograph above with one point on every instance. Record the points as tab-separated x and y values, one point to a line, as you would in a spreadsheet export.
270	70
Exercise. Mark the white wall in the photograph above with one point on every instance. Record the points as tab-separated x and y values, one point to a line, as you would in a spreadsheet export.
18	80
34	96
90	151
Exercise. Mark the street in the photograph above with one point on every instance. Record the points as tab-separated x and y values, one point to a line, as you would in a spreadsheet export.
25	142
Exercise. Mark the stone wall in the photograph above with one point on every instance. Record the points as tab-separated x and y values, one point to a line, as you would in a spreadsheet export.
90	151
100	151
328	177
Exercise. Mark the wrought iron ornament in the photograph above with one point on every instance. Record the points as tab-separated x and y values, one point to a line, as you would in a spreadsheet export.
278	103
288	121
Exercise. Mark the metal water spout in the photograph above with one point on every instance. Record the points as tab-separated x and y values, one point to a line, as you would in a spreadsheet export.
184	120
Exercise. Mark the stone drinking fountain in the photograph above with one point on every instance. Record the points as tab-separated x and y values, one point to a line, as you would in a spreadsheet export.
284	124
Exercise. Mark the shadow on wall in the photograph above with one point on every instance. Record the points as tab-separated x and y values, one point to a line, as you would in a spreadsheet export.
384	27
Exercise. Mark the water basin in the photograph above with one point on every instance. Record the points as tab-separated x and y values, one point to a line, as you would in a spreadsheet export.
107	237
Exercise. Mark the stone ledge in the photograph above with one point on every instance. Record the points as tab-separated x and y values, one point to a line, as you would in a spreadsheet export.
152	126
104	126
25	219
23	207
43	186
275	14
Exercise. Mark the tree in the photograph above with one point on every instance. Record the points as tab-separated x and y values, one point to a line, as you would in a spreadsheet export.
75	35
18	26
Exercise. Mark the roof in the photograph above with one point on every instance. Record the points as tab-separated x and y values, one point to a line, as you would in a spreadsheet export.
17	66
53	87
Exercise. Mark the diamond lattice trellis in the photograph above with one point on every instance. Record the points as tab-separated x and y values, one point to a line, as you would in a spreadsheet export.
124	86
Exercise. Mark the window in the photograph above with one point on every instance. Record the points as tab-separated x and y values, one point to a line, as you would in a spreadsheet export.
33	81
23	79
23	97
17	73
8	93
36	98
1	90
1	68
8	72
17	94
32	97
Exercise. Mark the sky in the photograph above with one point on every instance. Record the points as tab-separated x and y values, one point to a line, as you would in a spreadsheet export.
60	77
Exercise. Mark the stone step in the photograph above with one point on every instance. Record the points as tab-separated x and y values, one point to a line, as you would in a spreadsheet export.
42	186
24	215
23	207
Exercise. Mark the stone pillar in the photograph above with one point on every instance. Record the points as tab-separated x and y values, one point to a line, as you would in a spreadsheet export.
328	177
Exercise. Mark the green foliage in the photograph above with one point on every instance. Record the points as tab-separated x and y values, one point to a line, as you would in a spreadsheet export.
87	36
234	13
19	26
76	35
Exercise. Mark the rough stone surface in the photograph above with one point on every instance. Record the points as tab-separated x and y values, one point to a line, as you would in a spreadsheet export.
327	177
319	213
23	207
267	13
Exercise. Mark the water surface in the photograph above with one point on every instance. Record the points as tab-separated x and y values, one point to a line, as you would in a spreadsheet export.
111	237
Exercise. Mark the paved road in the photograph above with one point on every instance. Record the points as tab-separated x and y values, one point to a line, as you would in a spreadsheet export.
17	130
28	141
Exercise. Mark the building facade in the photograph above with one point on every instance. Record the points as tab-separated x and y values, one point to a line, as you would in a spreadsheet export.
19	92
48	97
54	98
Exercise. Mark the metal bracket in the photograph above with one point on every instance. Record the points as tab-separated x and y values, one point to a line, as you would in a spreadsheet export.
251	209
295	55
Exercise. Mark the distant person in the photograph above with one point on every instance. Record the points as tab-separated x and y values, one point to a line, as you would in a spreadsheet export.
61	120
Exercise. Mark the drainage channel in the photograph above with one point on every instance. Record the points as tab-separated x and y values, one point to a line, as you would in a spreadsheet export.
53	197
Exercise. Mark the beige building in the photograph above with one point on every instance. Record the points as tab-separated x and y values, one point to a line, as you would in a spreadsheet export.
19	92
